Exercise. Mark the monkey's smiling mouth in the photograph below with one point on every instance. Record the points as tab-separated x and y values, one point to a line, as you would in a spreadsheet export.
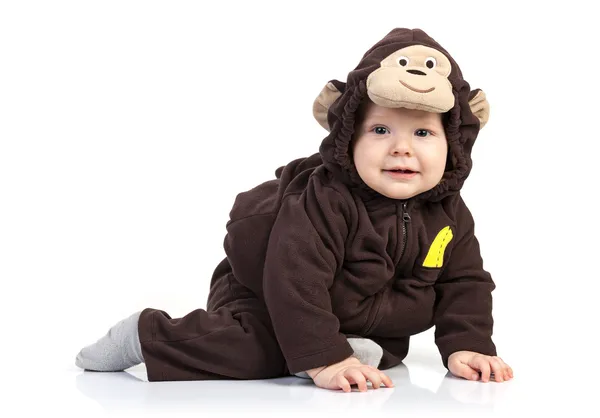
417	90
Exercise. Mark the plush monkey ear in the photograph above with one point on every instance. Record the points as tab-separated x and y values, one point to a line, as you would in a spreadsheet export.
330	93
479	106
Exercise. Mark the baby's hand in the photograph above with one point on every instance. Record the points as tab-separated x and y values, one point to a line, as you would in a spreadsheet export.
349	372
468	364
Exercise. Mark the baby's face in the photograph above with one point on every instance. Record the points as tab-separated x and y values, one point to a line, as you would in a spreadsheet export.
392	138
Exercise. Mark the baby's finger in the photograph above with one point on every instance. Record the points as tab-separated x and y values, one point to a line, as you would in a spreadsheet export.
463	370
342	383
355	376
505	368
497	369
373	376
387	381
481	363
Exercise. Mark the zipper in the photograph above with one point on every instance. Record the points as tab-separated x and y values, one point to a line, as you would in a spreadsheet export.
405	220
380	297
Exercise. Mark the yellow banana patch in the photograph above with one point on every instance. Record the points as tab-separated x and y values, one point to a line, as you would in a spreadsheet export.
435	256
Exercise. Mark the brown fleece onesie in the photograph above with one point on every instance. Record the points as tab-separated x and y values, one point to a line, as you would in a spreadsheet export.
314	256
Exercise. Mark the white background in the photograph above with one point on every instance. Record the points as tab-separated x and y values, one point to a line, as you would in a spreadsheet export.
128	127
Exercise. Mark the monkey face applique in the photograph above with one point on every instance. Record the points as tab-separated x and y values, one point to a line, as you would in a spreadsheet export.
415	77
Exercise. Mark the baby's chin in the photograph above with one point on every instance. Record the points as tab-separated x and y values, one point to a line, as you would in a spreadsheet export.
398	193
402	191
399	196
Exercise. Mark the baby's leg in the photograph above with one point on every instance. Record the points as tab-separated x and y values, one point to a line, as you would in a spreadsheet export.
226	343
221	344
118	350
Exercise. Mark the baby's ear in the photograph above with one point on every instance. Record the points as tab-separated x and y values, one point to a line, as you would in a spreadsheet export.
330	93
479	106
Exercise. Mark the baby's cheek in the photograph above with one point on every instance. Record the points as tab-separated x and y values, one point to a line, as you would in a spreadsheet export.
438	166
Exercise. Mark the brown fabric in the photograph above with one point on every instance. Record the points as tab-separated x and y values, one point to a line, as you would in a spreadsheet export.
233	339
314	256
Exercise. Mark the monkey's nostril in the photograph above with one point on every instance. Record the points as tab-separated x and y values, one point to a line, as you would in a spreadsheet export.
417	72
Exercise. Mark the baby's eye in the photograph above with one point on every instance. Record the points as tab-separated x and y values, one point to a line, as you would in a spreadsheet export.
380	130
422	132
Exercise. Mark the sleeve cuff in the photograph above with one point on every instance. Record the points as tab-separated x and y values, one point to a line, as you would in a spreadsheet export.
326	357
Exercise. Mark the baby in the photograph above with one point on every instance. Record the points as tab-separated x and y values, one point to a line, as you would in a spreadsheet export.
332	265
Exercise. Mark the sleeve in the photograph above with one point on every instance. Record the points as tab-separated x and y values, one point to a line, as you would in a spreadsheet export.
463	312
304	254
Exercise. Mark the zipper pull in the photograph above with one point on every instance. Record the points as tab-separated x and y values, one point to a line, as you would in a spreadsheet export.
405	215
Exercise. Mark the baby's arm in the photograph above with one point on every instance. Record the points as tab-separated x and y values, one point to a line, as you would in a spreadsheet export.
463	314
304	253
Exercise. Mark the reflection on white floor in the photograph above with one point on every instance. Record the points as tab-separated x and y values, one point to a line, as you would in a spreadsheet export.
130	391
544	385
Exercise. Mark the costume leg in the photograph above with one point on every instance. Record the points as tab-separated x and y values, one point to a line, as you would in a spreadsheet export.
235	342
395	350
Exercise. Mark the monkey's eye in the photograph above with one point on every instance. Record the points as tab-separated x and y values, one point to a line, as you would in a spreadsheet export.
403	61
430	62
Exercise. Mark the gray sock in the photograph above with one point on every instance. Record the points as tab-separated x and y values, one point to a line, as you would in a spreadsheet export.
118	350
365	350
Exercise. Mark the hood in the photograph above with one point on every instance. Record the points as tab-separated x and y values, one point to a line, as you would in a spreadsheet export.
407	68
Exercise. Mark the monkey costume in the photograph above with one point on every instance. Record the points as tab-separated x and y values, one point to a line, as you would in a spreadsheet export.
319	266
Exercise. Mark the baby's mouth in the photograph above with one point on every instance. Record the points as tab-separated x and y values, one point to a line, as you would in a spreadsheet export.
400	170
401	173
